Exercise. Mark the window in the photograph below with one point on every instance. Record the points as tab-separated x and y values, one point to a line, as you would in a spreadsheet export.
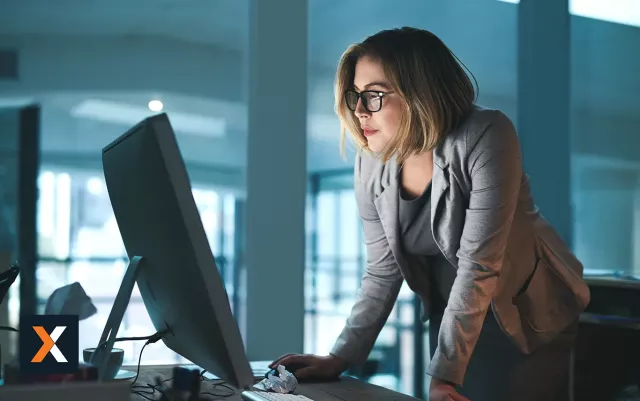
337	262
79	241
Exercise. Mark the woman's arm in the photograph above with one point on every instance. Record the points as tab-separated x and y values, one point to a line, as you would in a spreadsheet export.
380	285
494	164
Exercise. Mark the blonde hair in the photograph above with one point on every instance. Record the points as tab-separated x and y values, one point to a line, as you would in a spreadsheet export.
430	80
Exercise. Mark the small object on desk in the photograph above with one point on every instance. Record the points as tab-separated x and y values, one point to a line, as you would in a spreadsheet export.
125	375
282	381
185	385
183	378
290	368
70	300
116	358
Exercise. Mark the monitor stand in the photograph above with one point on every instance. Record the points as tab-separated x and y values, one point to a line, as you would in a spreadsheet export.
102	352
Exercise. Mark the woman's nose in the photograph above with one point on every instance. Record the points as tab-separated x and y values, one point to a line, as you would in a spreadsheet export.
361	112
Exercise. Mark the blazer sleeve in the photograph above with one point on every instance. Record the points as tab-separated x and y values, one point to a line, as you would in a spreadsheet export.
379	287
494	165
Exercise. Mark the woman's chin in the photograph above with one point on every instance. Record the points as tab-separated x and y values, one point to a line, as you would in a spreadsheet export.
375	146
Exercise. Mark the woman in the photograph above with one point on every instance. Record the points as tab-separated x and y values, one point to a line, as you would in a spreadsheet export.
445	205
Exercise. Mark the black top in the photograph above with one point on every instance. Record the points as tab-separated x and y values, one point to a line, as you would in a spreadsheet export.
417	239
415	224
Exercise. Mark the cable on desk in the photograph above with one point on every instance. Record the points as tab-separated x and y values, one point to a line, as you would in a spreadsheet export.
146	394
143	389
227	387
231	390
148	391
154	338
135	379
157	336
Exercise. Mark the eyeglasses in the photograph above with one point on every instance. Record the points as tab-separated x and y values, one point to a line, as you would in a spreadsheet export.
371	100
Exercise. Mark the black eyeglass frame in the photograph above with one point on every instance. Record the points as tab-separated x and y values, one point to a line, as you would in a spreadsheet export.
365	103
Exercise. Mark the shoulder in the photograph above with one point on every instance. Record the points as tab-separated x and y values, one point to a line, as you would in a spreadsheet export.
371	174
484	129
488	126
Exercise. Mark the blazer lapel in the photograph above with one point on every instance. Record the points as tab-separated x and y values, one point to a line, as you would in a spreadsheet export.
443	221
439	185
387	205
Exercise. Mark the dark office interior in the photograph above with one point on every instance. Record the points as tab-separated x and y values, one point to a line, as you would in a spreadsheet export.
249	90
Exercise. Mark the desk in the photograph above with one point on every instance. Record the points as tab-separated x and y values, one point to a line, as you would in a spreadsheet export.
607	348
346	389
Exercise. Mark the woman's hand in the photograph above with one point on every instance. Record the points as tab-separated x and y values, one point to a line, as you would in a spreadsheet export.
312	366
440	390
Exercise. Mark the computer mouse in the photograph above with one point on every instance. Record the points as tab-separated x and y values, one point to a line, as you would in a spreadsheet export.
290	368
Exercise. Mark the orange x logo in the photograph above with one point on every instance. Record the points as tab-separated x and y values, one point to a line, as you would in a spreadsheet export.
49	344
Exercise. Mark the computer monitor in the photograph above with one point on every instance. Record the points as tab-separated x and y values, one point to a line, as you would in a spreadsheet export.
170	257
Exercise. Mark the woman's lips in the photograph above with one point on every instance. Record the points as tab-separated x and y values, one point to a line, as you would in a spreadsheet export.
369	131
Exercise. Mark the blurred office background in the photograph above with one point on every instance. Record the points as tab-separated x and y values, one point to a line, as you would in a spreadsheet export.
567	74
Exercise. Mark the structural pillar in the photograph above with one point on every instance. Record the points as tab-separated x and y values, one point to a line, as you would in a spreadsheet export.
19	167
636	229
276	177
543	118
9	129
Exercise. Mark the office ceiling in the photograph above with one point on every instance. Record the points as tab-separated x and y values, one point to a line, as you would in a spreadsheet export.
201	21
483	33
225	22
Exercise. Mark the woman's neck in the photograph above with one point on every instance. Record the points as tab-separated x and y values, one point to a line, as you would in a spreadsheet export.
417	171
419	161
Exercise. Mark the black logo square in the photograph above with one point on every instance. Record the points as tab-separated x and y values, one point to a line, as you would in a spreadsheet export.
49	344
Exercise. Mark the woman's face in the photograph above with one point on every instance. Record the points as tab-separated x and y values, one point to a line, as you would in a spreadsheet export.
378	126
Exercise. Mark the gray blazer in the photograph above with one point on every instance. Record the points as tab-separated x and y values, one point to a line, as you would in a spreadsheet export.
487	226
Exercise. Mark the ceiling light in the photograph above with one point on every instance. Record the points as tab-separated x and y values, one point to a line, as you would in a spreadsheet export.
95	186
129	114
156	106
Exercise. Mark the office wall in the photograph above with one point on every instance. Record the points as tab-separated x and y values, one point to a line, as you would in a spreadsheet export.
605	134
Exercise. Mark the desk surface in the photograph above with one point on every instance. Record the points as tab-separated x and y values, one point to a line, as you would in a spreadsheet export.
617	282
346	389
